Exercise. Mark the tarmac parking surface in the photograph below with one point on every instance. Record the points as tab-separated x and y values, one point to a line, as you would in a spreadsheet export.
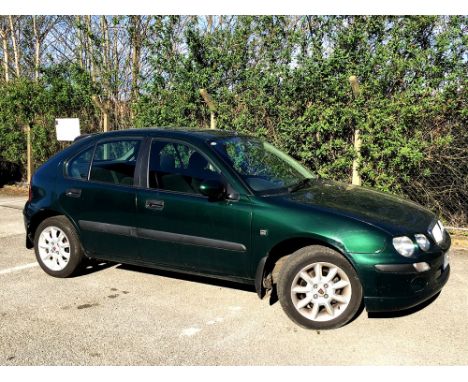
121	315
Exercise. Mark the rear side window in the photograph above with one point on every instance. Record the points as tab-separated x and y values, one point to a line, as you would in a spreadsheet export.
79	166
114	162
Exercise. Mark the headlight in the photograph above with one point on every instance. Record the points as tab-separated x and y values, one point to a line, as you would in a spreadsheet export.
404	245
422	241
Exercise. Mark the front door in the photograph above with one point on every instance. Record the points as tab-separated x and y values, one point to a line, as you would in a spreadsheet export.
179	227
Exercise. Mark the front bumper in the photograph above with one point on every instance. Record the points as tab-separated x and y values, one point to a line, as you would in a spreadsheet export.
419	288
391	284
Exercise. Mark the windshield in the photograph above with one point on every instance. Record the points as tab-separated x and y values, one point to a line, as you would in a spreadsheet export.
263	167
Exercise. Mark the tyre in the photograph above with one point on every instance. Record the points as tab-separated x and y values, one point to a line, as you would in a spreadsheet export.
57	247
319	289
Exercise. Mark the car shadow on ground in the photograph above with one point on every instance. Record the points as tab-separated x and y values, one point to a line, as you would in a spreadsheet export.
405	312
272	296
188	277
92	266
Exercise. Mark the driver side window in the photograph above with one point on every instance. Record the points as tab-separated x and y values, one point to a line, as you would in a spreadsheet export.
178	167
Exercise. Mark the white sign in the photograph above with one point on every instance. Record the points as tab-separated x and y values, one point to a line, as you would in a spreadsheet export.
67	129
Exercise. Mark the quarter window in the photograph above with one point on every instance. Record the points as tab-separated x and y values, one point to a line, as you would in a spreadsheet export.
78	167
114	162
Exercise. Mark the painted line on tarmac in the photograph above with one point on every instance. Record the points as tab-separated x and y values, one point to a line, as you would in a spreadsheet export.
18	268
4	235
19	208
189	332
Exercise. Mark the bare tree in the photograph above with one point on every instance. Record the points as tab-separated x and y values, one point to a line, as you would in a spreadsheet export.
4	30
13	20
42	25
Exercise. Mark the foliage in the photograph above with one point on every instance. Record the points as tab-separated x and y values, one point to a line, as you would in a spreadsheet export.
287	79
284	78
63	91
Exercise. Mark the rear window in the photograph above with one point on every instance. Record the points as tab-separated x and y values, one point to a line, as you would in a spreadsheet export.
114	162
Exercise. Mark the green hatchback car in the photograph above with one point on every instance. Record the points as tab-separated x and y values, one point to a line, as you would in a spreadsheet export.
230	206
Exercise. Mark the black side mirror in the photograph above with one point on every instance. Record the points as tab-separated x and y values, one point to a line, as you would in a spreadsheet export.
214	189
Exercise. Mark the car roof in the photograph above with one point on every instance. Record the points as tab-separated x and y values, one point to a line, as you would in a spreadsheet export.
187	133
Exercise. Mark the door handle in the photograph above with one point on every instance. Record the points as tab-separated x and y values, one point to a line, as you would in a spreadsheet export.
73	192
154	204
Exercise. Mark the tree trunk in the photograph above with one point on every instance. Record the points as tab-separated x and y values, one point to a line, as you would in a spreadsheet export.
90	48
209	23
105	36
6	60
106	59
136	53
37	49
15	47
106	68
116	64
80	45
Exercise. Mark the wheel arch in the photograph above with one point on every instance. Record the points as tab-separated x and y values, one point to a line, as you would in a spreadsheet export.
38	218
268	267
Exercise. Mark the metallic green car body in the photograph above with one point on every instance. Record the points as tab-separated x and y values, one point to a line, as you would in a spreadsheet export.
242	237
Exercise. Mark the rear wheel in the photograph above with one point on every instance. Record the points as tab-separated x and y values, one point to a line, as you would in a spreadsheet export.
57	247
319	289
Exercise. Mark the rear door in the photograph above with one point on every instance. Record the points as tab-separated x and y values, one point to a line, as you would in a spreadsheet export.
99	195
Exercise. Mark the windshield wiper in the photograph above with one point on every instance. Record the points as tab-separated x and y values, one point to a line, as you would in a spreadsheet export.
301	184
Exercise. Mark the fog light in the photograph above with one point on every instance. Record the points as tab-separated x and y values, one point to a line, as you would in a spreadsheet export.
421	267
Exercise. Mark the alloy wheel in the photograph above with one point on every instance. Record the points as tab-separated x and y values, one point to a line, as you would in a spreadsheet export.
321	291
54	248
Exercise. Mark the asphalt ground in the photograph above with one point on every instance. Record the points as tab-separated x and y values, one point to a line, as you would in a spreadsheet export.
120	315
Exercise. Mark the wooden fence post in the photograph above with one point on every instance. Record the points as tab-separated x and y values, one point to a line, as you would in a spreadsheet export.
211	106
356	180
104	108
27	128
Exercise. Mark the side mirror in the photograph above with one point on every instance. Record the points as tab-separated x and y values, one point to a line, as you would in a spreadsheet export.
214	189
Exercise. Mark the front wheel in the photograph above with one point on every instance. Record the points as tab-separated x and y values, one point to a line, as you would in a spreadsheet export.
319	289
57	247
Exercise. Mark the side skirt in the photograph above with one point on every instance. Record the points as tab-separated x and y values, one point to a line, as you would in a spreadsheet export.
240	280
